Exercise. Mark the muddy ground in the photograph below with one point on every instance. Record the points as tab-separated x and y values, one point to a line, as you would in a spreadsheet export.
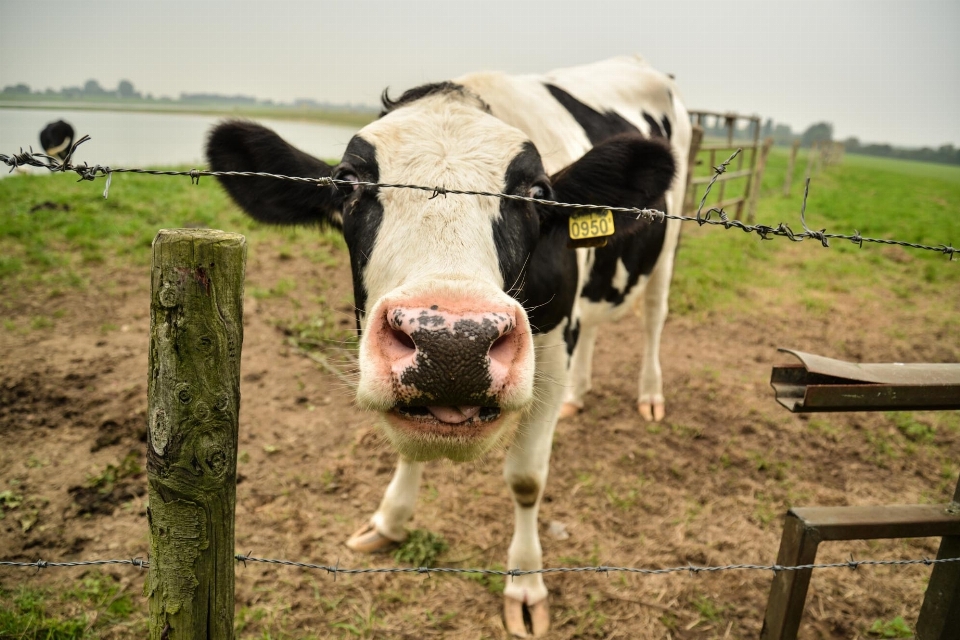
708	486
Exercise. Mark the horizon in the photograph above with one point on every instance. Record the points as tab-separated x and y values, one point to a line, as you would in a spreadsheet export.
875	71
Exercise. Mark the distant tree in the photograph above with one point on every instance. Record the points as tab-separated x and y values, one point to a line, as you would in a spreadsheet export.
767	130
819	132
93	88
851	144
125	89
19	89
782	134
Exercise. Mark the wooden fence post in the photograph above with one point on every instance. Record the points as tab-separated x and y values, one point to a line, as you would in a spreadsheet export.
788	181
941	602
193	390
757	179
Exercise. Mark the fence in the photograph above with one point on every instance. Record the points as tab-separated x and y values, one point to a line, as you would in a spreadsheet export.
196	338
721	136
702	217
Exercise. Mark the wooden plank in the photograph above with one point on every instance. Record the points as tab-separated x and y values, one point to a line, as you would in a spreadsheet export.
881	522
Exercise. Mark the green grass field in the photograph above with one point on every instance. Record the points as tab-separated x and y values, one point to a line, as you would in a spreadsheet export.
57	234
41	242
880	198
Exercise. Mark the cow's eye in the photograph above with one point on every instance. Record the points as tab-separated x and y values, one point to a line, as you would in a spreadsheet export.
347	174
539	190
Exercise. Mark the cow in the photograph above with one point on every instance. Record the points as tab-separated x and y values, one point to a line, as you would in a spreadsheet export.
55	139
476	319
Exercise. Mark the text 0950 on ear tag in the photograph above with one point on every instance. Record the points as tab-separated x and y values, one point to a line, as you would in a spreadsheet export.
590	229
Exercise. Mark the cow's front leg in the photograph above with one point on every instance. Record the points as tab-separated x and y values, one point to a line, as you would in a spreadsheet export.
387	527
527	465
581	370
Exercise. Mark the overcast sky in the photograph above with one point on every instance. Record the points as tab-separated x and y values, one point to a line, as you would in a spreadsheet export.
882	70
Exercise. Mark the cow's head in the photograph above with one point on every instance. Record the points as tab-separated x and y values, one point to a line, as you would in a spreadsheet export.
440	281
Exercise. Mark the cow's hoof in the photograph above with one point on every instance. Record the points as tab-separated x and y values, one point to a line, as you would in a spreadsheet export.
538	615
569	409
651	411
367	539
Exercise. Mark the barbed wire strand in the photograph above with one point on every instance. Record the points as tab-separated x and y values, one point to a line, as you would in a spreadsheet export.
765	232
512	573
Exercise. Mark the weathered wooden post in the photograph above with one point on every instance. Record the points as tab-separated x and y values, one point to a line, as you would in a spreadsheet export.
196	331
941	602
788	181
754	194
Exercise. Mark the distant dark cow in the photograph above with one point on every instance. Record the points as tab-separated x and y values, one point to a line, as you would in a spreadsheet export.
56	139
477	321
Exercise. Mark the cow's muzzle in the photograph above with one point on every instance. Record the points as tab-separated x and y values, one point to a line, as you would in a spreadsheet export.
449	371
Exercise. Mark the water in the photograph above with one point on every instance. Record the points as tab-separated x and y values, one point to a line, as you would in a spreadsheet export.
130	139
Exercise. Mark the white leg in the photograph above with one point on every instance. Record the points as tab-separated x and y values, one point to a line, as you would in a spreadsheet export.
388	524
527	466
581	369
651	403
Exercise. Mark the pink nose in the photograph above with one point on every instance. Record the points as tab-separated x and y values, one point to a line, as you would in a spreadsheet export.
438	357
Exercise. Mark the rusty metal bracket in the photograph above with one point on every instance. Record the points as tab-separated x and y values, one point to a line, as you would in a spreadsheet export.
825	384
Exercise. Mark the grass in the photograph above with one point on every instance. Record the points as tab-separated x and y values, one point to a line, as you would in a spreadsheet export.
421	549
46	251
907	201
96	606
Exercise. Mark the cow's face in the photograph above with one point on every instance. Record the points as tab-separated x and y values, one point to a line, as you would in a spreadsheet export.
446	350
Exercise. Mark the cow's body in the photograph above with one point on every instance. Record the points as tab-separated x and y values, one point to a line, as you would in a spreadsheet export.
56	139
477	321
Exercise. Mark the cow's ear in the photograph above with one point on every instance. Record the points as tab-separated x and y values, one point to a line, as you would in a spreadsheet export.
624	171
239	145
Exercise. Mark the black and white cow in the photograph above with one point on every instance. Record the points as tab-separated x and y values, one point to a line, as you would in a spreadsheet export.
477	321
56	139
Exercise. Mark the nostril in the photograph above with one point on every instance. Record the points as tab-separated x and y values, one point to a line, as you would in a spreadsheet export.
403	339
503	349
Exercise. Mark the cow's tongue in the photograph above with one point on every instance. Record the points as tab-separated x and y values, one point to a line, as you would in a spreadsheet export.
453	415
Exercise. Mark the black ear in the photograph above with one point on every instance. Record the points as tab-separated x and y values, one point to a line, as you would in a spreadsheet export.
624	171
239	145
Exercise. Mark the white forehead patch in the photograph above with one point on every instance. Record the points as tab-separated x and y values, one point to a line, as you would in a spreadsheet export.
438	141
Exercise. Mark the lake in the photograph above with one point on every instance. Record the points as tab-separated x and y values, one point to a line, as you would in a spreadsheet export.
130	139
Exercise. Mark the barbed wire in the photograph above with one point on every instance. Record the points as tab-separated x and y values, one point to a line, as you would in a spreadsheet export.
765	232
336	569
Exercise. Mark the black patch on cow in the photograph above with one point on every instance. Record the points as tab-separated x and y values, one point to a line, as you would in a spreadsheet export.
639	252
452	367
655	130
625	171
571	335
238	145
362	214
424	90
517	232
598	126
667	127
526	491
537	269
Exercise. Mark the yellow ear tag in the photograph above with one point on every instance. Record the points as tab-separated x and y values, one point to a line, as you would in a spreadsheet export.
590	229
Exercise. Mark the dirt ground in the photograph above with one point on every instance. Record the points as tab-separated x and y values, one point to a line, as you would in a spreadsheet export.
708	486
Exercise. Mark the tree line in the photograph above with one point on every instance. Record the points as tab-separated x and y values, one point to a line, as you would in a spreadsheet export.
783	135
125	91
